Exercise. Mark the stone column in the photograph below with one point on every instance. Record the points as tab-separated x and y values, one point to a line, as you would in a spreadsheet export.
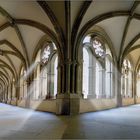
59	83
17	91
130	84
63	99
68	76
6	93
119	97
52	83
41	85
134	87
79	78
73	76
25	89
92	82
123	85
114	81
67	102
29	91
102	83
48	81
74	96
3	96
126	86
109	84
10	92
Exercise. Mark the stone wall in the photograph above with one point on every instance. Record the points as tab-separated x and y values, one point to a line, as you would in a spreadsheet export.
46	105
89	105
127	101
22	103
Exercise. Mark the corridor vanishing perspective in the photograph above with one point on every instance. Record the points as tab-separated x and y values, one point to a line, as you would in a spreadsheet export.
62	61
69	57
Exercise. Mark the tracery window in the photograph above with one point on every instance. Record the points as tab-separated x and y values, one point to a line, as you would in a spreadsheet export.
99	51
37	82
85	73
13	89
46	72
97	70
45	54
138	84
23	84
109	77
126	79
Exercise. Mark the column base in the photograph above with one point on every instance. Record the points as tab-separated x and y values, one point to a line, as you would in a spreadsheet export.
67	104
27	102
119	101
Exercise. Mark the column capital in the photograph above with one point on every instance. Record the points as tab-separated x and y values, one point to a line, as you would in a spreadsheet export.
74	62
80	62
66	62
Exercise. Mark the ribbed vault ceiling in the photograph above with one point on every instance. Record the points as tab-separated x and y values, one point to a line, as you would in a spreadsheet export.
24	23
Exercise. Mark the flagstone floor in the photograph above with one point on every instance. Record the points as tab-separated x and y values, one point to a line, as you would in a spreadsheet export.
24	124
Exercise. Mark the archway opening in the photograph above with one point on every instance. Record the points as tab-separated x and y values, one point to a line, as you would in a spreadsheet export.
97	69
126	79
45	74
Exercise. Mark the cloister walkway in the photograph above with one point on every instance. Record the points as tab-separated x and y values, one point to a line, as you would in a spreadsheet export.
24	124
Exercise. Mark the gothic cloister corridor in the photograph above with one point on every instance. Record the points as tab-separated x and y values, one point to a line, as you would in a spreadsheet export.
69	69
24	124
